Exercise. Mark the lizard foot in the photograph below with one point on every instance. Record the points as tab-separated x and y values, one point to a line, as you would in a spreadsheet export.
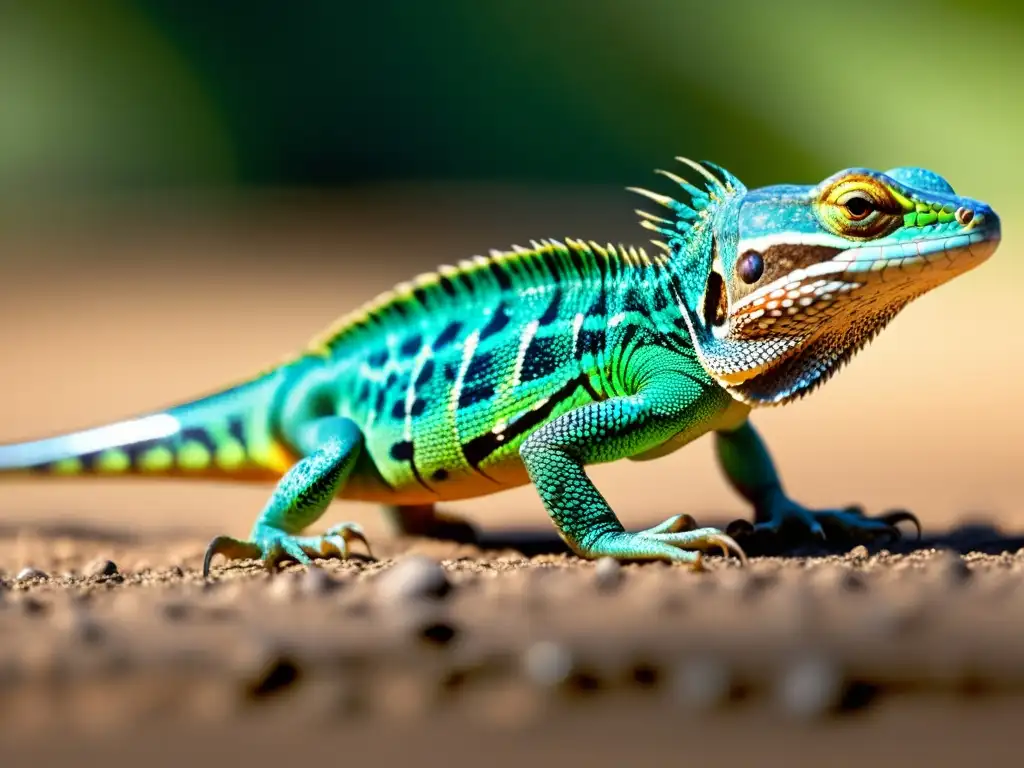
274	546
788	521
673	540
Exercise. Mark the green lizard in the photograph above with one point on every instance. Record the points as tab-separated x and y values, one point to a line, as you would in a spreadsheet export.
528	365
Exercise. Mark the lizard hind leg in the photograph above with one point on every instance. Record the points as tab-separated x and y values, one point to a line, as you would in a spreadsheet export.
750	470
299	499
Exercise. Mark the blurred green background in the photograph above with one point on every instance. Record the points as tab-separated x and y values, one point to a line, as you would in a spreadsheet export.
114	96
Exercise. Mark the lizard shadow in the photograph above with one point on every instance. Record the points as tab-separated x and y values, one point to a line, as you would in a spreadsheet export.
90	532
970	536
977	535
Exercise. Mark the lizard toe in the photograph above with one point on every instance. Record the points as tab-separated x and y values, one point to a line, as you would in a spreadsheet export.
275	547
665	542
339	536
845	526
230	548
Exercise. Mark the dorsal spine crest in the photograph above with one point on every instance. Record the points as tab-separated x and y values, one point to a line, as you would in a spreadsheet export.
545	262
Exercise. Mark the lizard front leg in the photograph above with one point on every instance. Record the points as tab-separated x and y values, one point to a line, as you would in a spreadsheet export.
749	468
556	453
331	445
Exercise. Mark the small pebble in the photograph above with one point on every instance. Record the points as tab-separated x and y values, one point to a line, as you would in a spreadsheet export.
851	581
80	625
859	553
31	574
747	585
316	581
438	632
176	610
548	664
276	673
283	587
953	568
414	577
608	574
703	684
101	568
811	688
33	607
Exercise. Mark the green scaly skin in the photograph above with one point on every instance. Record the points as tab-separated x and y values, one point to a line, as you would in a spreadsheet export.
529	365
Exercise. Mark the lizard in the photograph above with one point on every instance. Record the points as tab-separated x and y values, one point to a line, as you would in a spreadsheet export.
530	364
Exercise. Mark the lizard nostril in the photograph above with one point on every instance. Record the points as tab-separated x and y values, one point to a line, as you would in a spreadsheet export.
964	216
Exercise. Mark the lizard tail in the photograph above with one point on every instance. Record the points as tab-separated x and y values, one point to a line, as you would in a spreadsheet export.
224	435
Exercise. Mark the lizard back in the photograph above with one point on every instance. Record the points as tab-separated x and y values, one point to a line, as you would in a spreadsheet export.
448	373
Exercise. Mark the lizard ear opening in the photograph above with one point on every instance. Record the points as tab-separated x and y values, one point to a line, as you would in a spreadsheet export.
716	307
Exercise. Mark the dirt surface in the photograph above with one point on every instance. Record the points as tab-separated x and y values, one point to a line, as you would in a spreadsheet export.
461	649
510	651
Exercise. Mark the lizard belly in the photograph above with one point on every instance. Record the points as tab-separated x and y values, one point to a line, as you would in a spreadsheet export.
450	454
427	482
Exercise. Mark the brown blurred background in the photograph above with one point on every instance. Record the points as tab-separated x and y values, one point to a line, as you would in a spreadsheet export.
191	190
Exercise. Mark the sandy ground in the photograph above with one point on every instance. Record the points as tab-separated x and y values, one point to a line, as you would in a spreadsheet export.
512	650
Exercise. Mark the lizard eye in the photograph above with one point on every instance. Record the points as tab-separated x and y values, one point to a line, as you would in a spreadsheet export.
859	207
750	267
856	205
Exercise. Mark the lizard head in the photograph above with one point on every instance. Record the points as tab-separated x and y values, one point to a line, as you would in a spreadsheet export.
782	285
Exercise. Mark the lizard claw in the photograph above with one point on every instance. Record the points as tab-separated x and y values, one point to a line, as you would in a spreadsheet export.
672	540
728	546
682	530
896	517
273	546
846	524
338	537
233	549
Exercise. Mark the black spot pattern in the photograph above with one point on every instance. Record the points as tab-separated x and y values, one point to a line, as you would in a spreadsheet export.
478	384
237	430
448	335
589	343
551	313
402	451
363	393
632	302
540	360
448	286
499	320
479	448
425	375
500	276
411	346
